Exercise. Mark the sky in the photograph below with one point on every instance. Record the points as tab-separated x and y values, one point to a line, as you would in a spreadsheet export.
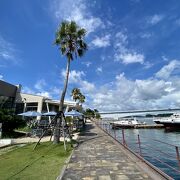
133	57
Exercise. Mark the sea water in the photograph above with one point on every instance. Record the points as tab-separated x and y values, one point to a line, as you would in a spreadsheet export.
151	149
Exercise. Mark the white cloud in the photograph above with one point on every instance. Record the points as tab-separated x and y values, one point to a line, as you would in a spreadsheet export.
77	78
45	94
128	58
78	11
8	52
74	76
147	65
166	71
146	35
87	64
125	94
40	90
123	53
55	91
122	38
138	94
1	76
165	58
99	70
86	86
151	89
155	19
40	84
101	42
27	90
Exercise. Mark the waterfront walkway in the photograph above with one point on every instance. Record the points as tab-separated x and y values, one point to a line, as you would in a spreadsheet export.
99	157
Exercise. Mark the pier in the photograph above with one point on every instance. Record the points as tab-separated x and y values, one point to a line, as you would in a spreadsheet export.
145	126
99	157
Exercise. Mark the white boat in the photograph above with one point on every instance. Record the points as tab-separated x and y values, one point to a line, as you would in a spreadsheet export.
126	123
172	121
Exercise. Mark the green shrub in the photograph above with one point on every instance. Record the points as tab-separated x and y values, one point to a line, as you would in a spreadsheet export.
10	121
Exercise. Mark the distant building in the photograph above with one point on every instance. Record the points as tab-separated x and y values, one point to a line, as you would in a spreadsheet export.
7	95
30	102
11	97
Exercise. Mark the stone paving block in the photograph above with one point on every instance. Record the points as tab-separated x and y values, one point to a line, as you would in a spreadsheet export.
98	158
88	178
104	178
121	177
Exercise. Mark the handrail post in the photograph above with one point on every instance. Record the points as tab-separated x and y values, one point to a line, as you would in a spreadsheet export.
139	143
177	154
124	142
109	130
114	133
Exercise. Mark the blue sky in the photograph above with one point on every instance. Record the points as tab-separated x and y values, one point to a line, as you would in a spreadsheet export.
132	61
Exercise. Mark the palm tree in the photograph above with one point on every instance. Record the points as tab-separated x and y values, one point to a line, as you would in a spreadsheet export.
75	94
82	98
70	40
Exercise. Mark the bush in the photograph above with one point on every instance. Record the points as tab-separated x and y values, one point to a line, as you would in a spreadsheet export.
10	121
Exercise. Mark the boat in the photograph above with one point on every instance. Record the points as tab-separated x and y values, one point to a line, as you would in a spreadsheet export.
126	123
169	122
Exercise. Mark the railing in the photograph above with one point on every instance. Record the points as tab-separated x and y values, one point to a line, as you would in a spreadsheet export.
169	162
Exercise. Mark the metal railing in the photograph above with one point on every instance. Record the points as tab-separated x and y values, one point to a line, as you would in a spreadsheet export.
142	148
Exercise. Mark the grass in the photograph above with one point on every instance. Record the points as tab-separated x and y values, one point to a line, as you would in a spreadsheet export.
25	129
45	162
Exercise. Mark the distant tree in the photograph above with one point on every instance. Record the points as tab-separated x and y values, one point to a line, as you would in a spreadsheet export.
92	113
97	115
70	40
82	98
89	113
75	94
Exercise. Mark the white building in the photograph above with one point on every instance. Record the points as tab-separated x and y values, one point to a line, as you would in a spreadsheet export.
29	102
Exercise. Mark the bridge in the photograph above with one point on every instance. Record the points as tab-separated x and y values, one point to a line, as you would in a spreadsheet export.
116	114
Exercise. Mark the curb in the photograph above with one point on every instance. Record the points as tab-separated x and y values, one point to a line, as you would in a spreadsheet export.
65	166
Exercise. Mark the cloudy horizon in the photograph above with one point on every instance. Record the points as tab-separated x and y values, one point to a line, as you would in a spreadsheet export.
133	58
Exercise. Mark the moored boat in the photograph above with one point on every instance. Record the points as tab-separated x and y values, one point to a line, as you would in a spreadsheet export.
126	123
169	122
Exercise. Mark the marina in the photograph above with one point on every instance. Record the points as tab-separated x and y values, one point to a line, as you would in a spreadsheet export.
172	121
159	146
117	125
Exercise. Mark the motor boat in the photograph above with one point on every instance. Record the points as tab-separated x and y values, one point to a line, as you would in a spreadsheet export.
172	121
126	123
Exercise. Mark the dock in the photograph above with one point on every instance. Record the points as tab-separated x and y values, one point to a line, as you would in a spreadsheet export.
149	126
99	157
141	126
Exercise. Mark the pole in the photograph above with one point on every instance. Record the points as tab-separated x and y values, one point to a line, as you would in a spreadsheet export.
114	133
139	143
124	142
177	154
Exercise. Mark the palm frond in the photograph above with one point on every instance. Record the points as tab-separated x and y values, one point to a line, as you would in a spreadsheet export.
69	56
69	38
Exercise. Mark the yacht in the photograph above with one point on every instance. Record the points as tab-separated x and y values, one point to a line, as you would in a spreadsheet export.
126	123
172	121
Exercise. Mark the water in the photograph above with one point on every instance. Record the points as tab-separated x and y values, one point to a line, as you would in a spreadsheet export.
152	150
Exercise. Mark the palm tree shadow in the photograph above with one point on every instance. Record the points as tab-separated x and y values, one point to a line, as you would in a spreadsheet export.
87	135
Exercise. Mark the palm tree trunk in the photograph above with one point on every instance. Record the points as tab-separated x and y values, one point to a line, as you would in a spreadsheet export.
59	119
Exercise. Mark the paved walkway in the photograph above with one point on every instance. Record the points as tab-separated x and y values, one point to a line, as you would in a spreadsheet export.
98	158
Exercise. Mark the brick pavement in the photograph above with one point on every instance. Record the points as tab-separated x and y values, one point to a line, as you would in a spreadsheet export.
98	158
